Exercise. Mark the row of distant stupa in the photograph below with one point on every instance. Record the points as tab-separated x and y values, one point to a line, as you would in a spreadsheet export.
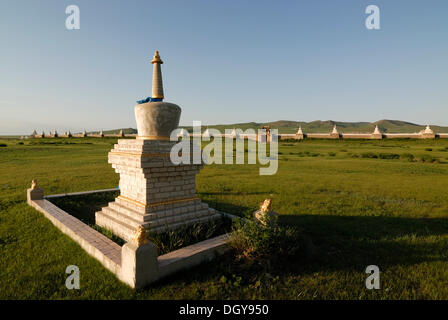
68	134
427	130
206	133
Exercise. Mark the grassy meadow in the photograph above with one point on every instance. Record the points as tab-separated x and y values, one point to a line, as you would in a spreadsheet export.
361	203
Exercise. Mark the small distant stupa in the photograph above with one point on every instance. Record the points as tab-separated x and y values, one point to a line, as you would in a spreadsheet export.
234	134
428	130
299	133
206	133
377	130
376	133
183	133
335	130
427	133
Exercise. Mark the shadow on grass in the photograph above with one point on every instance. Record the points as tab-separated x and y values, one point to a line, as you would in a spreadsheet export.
343	244
354	242
238	210
228	193
83	207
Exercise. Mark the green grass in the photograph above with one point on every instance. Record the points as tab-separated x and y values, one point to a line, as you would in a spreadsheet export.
389	211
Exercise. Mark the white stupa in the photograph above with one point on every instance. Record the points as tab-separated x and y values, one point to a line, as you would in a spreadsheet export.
206	133
335	131
428	130
377	130
183	133
300	130
234	134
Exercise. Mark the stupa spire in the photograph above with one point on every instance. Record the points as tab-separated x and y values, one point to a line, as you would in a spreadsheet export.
157	85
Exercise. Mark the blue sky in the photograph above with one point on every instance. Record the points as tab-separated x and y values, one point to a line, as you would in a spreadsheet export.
225	61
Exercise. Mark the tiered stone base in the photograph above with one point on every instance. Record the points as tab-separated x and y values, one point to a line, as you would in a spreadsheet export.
154	192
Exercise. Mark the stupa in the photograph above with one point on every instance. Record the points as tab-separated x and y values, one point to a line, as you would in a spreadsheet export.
299	134
154	192
234	134
206	134
377	133
334	133
183	133
428	133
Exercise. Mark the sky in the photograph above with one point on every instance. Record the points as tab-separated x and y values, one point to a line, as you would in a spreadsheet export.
225	61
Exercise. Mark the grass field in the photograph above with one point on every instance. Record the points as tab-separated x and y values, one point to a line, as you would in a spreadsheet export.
360	202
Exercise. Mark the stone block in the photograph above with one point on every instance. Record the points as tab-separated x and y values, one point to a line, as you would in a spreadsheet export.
34	193
139	265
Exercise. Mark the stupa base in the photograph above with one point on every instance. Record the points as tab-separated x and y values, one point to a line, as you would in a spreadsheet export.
155	193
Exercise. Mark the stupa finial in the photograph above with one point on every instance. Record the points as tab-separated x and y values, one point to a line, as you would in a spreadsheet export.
157	85
156	58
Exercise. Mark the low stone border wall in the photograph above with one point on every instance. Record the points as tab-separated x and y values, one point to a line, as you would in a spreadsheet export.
135	265
288	136
94	243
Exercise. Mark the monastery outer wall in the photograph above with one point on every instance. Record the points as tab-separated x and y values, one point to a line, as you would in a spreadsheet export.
288	136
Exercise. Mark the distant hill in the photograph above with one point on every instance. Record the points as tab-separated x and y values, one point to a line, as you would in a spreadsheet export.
286	126
318	126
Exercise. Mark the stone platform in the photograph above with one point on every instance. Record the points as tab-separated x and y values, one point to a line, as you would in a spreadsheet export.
154	192
135	266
